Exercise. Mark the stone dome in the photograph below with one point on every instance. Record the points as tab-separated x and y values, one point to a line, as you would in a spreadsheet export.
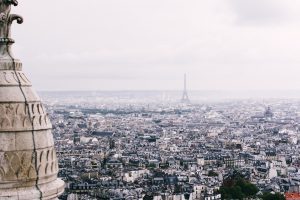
28	162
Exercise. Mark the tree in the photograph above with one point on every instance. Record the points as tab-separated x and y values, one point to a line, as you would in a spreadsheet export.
231	192
212	173
236	193
236	187
269	196
248	189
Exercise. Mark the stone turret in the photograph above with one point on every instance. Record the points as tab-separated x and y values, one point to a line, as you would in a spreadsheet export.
28	162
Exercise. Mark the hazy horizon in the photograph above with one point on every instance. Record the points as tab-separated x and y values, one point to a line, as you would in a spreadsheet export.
175	95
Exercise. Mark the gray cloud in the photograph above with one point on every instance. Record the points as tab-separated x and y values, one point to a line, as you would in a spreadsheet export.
260	12
265	12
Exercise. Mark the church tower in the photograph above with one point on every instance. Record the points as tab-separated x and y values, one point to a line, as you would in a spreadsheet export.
28	162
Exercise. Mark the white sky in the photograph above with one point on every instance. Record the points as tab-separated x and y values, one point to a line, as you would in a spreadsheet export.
150	44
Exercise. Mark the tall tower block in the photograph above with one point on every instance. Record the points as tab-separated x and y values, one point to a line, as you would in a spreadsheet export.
28	163
185	97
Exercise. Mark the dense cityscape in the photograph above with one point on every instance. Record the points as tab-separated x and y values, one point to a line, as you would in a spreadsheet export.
124	148
113	125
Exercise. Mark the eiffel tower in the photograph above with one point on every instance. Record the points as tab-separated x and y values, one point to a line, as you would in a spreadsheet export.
185	97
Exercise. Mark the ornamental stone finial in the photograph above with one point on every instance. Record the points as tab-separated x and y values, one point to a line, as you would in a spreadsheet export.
6	20
28	161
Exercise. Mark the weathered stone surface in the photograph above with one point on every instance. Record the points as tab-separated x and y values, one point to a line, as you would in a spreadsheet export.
13	78
23	116
49	191
27	166
6	64
16	94
28	161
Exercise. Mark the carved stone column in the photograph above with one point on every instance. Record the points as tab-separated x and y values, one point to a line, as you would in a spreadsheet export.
28	162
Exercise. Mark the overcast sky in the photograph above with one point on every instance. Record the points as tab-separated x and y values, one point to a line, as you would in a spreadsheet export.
150	44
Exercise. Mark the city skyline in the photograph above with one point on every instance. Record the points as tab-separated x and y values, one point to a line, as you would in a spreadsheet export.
150	100
137	45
